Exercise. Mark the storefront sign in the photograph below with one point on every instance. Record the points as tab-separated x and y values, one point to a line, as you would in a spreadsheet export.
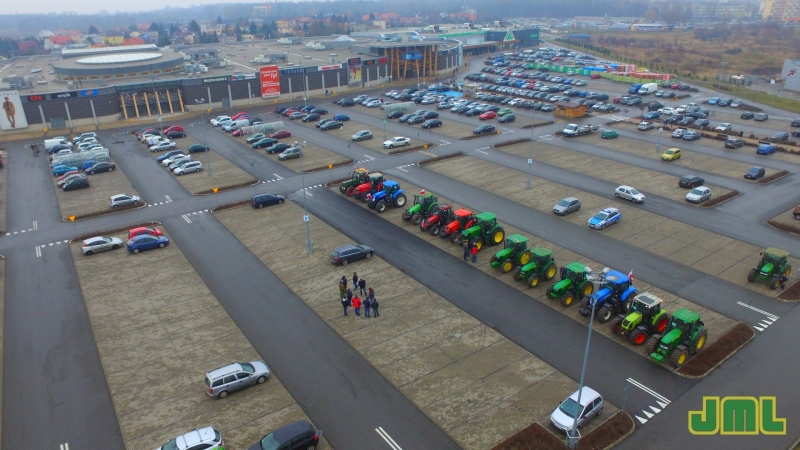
330	67
270	81
215	79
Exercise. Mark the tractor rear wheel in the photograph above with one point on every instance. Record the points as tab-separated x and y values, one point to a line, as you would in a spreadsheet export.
605	314
637	337
351	190
498	235
774	282
788	270
533	281
616	325
679	356
507	266
584	302
342	189
357	195
699	342
477	243
652	343
380	206
400	200
416	219
661	323
751	276
550	273
568	299
517	274
588	289
525	257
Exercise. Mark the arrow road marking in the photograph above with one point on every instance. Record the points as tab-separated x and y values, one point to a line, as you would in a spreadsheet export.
64	446
385	437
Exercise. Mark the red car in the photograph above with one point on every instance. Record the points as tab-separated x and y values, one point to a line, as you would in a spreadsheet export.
281	134
488	115
289	112
617	99
595	76
173	128
238	115
239	132
66	174
144	230
675	86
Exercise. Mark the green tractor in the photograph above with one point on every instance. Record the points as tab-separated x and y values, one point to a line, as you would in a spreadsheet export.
485	231
574	283
425	205
359	176
774	263
687	334
515	254
646	317
543	267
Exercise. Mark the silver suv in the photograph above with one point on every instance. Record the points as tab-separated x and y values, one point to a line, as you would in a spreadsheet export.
123	200
206	438
221	382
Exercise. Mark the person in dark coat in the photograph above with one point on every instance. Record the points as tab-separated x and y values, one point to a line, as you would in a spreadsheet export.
466	250
345	304
355	281
367	304
344	280
371	293
362	286
783	281
349	294
357	305
375	307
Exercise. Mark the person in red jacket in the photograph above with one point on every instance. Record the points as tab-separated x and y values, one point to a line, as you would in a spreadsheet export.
357	305
474	254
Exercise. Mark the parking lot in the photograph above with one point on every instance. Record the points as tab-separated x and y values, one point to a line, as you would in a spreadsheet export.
158	330
375	144
435	353
711	253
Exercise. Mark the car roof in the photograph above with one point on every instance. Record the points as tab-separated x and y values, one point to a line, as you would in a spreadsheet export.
291	430
609	210
624	187
587	394
195	437
224	370
93	239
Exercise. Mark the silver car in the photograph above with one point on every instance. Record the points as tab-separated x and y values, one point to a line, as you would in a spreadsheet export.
629	193
100	244
226	379
123	200
698	194
567	206
207	438
361	135
591	405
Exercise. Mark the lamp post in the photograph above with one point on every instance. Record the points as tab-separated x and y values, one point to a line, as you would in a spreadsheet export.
155	93
719	76
574	435
384	130
530	157
348	151
205	143
660	130
309	242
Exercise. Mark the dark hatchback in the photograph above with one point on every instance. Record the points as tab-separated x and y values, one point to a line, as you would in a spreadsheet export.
265	142
299	435
484	129
76	183
351	252
690	181
755	173
262	200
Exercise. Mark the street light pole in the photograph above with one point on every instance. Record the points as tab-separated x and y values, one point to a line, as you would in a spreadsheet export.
530	158
573	434
309	242
205	142
660	130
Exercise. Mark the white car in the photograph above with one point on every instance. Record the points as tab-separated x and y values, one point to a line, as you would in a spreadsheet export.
123	200
644	126
207	438
194	166
219	121
100	244
166	145
681	109
591	405
667	111
629	193
172	159
373	104
679	132
724	127
398	141
698	194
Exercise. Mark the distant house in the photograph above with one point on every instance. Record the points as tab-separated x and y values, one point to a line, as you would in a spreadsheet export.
227	39
113	38
247	37
75	35
132	41
28	46
57	41
45	34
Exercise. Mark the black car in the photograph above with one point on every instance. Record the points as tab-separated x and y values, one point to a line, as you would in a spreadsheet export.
683	87
176	134
507	118
484	129
432	123
281	109
686	121
755	173
430	115
734	143
101	167
262	200
58	148
654	106
278	148
332	125
690	181
473	112
415	120
796	122
405	117
459	109
197	148
76	183
351	252
395	115
346	102
747	115
313	117
601	97
265	142
781	136
299	435
320	111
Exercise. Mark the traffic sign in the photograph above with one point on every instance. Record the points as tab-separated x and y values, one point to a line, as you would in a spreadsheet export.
215	190
72	218
330	166
305	218
530	161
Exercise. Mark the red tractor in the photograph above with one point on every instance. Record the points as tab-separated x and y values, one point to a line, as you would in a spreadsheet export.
373	184
439	219
463	219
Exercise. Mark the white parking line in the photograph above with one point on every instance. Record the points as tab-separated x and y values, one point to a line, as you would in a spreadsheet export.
169	200
35	225
277	177
186	218
771	316
481	151
38	252
648	390
64	446
369	157
404	170
385	437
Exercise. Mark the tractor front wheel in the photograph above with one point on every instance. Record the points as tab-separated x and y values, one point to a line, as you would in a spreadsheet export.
400	200
350	191
371	204
550	273
699	342
637	337
679	356
588	289
568	299
342	189
357	195
534	281
380	206
517	274
456	238
365	195
416	219
584	302
652	343
549	291
751	276
616	325
605	314
774	282
435	230
507	266
477	243
525	257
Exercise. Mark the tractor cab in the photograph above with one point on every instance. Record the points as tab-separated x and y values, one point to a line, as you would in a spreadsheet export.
464	217
390	187
486	220
646	305
574	282
515	253
425	200
516	243
360	174
614	284
575	273
772	260
375	180
541	266
424	205
542	256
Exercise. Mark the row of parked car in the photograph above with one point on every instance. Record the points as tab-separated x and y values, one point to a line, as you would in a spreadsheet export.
72	168
176	161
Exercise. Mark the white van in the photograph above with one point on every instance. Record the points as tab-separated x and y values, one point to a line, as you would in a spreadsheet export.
50	143
236	124
648	88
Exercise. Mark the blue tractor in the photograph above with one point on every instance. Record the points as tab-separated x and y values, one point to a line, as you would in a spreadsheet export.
390	195
612	291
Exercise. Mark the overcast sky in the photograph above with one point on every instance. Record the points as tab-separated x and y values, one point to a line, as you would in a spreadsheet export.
94	6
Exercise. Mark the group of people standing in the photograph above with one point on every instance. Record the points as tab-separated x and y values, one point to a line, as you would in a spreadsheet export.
470	250
350	299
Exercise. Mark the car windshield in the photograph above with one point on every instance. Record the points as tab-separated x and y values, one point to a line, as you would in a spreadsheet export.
564	202
697	192
601	216
269	443
248	367
670	152
634	191
570	407
171	445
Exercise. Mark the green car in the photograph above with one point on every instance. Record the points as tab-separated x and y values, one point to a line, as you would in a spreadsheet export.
503	112
609	134
195	148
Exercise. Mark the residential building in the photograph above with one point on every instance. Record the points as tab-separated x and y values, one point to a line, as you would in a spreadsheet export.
261	11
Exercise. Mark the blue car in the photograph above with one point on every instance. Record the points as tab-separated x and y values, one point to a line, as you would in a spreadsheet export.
605	218
341	118
146	242
766	149
62	169
583	93
652	115
88	164
169	155
713	100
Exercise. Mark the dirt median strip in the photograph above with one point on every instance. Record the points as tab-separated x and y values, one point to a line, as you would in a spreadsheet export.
717	352
607	435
